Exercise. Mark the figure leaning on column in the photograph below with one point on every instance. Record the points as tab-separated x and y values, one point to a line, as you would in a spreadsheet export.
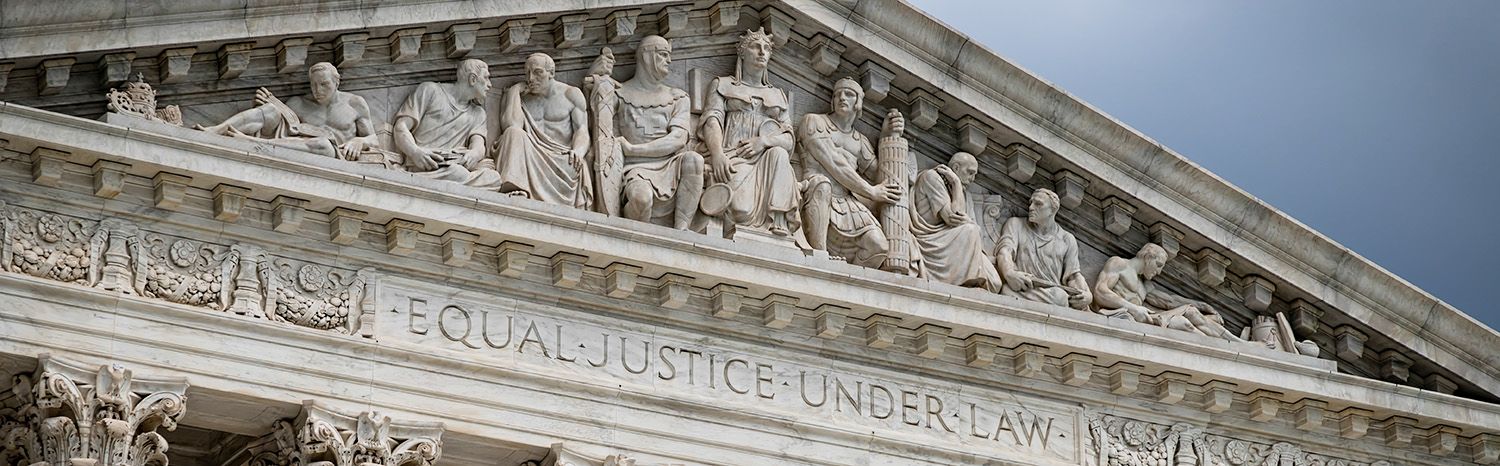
837	165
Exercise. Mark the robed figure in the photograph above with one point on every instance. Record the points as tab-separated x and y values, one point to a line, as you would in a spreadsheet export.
545	138
952	244
747	131
440	129
1038	259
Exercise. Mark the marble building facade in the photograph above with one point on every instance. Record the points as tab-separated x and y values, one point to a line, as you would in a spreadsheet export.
470	232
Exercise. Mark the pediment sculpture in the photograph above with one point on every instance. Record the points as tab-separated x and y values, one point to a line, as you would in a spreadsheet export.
627	149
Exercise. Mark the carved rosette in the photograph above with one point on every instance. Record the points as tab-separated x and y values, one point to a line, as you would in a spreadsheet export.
323	437
46	245
1116	441
70	416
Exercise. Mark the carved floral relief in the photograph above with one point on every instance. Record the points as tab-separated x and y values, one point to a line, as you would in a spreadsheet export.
116	255
1118	441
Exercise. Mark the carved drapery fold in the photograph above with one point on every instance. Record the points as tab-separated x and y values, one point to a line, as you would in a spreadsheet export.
69	416
320	436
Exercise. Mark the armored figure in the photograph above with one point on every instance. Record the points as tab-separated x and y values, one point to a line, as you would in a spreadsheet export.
837	165
327	121
748	134
545	138
660	178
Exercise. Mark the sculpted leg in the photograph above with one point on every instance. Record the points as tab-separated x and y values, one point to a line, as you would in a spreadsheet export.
249	122
783	186
689	190
815	212
639	198
873	249
1208	327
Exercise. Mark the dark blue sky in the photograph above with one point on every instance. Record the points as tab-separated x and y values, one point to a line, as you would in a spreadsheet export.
1374	122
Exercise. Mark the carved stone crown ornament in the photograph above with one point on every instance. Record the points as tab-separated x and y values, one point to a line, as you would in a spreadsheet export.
72	416
320	436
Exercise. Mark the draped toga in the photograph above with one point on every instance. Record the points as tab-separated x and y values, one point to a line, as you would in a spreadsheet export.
950	253
1050	258
442	124
533	162
763	182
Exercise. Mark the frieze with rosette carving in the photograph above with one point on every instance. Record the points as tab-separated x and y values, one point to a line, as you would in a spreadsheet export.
1118	441
116	255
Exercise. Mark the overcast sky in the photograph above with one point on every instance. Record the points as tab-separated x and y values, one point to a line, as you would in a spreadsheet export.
1374	122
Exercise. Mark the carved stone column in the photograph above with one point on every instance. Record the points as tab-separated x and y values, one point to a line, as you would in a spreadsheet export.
324	437
247	296
73	416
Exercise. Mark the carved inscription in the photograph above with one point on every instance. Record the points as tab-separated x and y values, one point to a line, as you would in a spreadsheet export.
548	340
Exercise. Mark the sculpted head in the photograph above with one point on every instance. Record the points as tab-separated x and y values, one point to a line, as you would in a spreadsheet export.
1043	207
847	96
653	58
1153	258
540	70
473	79
965	166
324	78
755	48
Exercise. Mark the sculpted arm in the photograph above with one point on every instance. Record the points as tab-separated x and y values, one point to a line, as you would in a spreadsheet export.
416	157
364	129
664	146
713	135
1104	287
1074	277
834	160
1005	257
580	119
1157	297
510	109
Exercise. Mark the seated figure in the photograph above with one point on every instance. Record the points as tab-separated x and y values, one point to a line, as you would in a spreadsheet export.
837	164
440	129
747	129
327	121
1038	259
1125	290
648	163
544	138
951	243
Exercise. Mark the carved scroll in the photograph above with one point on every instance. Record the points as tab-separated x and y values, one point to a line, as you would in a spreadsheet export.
895	219
70	416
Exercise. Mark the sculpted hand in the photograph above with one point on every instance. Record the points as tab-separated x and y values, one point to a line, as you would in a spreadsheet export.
350	150
889	193
263	96
895	124
718	168
955	218
1018	281
1080	300
472	157
424	161
575	159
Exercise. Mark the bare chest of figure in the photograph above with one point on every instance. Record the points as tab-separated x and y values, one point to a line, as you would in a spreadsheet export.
552	114
1132	288
338	115
851	143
